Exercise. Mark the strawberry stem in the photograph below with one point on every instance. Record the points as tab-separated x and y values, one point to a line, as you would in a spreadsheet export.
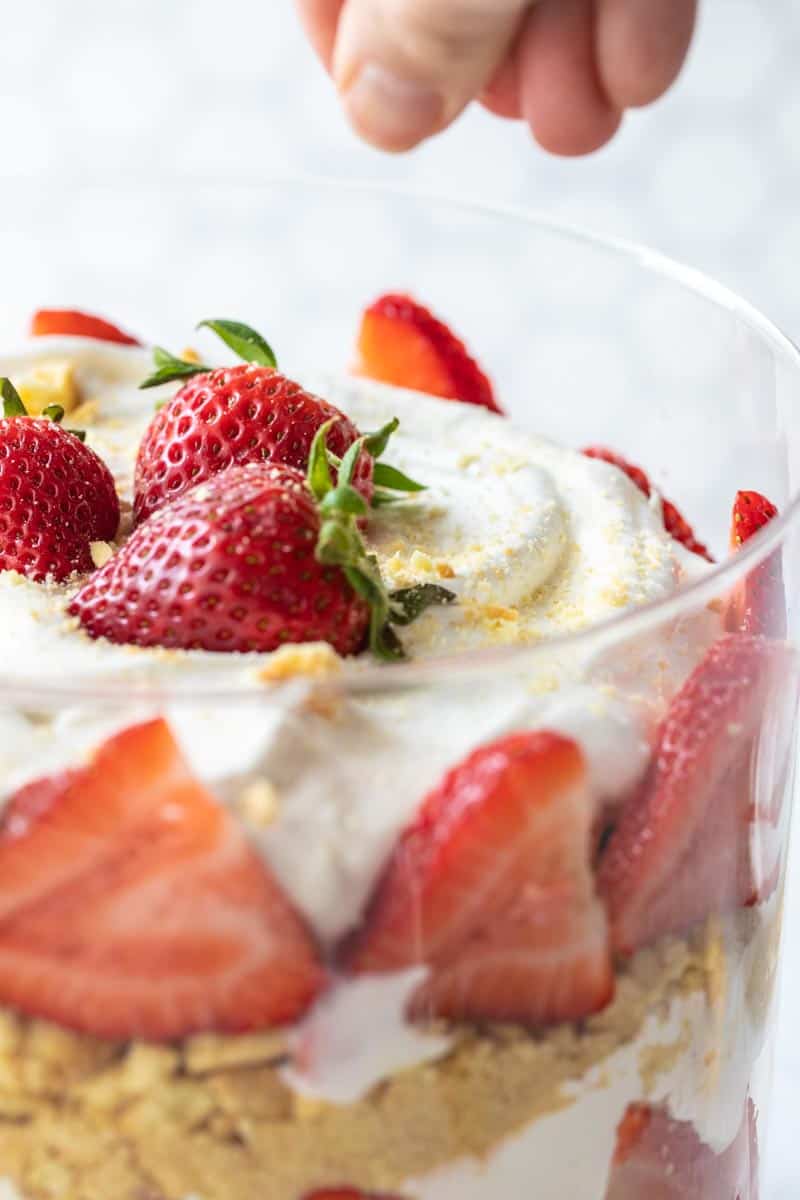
14	407
169	369
340	543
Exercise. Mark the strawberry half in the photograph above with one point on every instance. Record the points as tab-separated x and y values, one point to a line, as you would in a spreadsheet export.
658	1158
682	849
56	495
491	887
404	344
131	904
231	565
758	604
49	322
674	522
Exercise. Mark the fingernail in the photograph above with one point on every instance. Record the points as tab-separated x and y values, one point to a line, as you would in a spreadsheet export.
391	112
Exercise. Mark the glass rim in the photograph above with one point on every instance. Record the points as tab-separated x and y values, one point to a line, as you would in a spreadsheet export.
356	678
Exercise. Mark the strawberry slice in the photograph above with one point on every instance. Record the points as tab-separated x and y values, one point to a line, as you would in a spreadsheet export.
491	887
682	848
663	1159
674	522
751	512
758	604
131	904
402	343
347	1193
65	322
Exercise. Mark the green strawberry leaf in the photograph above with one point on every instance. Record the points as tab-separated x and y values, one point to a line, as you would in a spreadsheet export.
169	369
409	603
344	498
54	412
12	401
376	443
243	341
347	466
319	475
390	477
381	499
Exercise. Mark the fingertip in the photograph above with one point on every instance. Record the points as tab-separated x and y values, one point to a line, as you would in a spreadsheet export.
576	137
562	100
389	112
641	46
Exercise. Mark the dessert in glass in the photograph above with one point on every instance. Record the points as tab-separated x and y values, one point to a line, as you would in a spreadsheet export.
395	799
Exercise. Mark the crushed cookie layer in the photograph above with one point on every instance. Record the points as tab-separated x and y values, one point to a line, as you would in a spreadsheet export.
82	1119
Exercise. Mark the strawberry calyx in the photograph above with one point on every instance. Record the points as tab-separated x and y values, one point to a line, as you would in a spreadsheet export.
246	343
340	543
391	484
13	406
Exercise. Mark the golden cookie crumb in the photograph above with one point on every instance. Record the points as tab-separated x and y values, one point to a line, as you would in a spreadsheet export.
259	803
101	553
49	383
316	660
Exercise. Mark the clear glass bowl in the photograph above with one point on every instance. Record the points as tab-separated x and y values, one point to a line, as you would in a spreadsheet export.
663	1091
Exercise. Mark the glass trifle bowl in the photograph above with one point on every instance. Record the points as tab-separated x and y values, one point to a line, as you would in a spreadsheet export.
281	919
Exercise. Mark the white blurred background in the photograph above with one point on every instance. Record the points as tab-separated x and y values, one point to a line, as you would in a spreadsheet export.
162	90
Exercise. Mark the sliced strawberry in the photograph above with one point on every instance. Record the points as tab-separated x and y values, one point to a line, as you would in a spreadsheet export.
347	1193
758	604
682	849
65	322
131	904
402	343
674	522
491	887
658	1158
751	512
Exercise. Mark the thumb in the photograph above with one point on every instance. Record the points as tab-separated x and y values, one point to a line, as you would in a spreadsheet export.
406	68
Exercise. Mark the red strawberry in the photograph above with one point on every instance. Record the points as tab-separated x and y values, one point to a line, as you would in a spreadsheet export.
347	1193
69	323
658	1158
682	849
56	496
402	343
491	887
230	417
758	604
751	512
674	522
230	565
131	904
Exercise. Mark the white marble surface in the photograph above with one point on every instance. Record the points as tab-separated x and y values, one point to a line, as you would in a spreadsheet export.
711	175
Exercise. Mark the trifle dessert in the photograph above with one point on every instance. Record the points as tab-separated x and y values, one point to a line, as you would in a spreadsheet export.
338	857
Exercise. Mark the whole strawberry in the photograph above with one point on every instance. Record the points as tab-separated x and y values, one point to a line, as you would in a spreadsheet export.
232	416
56	495
229	565
254	558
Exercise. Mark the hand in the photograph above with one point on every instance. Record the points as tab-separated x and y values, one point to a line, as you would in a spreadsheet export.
406	68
